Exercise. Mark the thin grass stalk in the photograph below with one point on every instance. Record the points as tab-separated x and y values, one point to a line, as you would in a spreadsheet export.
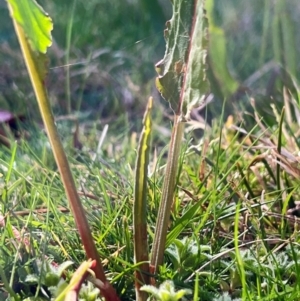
240	264
62	162
278	167
196	288
67	59
246	183
269	169
284	223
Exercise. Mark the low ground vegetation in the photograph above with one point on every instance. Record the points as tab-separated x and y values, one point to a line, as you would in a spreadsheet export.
233	233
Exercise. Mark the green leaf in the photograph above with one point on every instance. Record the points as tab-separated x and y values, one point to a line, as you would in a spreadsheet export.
171	68
182	72
218	55
35	22
284	32
166	291
140	203
196	85
141	253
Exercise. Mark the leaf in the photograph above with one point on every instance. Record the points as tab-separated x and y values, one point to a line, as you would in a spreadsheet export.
35	22
182	71
140	203
218	62
218	55
166	291
284	45
182	82
196	84
171	68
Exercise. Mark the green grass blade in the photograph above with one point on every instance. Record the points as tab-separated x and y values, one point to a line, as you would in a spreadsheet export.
278	167
183	221
11	163
240	264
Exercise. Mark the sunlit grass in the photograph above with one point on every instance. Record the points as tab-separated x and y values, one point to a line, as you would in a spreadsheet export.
233	231
224	203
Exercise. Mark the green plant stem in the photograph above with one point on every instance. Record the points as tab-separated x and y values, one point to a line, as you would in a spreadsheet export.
141	253
167	196
61	160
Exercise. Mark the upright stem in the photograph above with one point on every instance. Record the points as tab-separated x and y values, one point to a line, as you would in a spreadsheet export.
61	160
141	252
167	196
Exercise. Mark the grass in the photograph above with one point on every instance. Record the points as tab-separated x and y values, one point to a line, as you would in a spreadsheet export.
227	226
233	231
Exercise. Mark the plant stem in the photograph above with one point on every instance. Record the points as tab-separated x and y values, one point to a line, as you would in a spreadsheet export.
141	252
61	160
167	196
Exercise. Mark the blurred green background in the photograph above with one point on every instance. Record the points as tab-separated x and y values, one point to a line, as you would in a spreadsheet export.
111	47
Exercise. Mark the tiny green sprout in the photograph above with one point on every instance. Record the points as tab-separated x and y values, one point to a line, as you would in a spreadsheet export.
165	292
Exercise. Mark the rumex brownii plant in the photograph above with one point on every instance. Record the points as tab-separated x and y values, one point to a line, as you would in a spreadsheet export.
181	81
